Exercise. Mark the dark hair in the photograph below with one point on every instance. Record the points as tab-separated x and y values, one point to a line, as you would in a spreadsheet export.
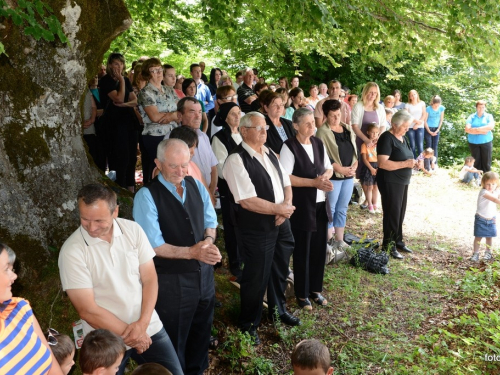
239	74
394	92
93	192
151	369
255	71
263	95
146	65
182	103
63	348
270	98
260	86
212	76
311	354
295	92
330	105
186	134
192	66
468	159
100	348
372	126
112	57
222	91
286	80
167	66
186	83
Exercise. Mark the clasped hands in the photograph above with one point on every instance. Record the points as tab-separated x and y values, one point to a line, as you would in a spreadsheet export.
136	337
285	211
205	252
323	183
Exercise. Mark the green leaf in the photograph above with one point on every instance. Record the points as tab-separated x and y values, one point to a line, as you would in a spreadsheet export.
2	49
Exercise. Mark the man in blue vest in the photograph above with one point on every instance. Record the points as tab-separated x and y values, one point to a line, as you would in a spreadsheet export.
177	215
262	205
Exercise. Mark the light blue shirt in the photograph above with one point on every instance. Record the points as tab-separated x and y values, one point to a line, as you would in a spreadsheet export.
203	93
146	214
434	116
477	122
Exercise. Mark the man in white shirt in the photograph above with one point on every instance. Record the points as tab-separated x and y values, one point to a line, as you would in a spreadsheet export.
334	89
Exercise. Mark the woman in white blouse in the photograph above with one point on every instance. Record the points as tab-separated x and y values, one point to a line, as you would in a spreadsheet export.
416	108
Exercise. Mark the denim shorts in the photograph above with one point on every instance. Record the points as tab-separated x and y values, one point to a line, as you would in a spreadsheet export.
484	227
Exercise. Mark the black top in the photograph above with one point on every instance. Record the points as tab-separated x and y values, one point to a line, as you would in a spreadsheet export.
274	141
389	145
346	150
180	225
116	115
244	92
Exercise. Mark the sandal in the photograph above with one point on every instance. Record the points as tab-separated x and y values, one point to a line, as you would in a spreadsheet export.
214	342
318	299
304	304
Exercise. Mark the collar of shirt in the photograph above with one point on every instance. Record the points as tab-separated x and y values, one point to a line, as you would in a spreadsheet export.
171	187
117	231
251	151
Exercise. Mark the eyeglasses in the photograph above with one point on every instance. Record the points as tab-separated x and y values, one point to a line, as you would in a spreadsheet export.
156	71
258	128
51	336
230	97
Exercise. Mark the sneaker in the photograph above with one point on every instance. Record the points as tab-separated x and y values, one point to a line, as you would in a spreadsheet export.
371	209
478	181
363	206
341	245
488	256
475	257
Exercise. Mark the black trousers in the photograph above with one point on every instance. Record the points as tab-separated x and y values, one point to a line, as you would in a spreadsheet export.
482	155
309	255
230	241
394	197
186	308
266	258
120	145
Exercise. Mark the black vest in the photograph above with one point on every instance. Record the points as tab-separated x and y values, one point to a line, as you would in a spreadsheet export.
304	198
263	187
180	225
224	135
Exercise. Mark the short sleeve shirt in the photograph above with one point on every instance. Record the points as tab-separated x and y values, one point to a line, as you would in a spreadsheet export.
165	101
477	122
244	92
110	269
389	145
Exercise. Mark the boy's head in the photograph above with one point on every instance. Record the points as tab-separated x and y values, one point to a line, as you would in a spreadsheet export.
151	369
469	161
311	357
428	153
102	352
63	348
389	101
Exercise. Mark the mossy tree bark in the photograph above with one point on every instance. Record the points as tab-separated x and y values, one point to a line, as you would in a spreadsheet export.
43	160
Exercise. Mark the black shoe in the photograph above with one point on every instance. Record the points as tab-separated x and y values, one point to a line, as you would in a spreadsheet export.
405	249
290	320
255	336
395	254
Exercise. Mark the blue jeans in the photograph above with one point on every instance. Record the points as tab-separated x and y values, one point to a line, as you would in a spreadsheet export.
338	199
432	140
161	351
469	176
416	138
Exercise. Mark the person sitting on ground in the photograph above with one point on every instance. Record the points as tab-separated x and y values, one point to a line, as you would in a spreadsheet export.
151	369
368	177
22	343
485	219
63	349
102	352
311	357
427	162
469	172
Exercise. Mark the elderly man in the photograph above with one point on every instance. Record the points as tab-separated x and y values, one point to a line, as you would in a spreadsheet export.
245	93
202	91
107	270
176	213
189	114
262	196
334	90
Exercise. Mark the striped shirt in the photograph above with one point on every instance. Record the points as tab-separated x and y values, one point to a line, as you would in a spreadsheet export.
21	350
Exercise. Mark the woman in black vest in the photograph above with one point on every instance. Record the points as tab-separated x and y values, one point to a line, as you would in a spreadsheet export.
280	129
305	158
223	142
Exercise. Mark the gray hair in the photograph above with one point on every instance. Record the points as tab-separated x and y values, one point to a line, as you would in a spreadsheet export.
401	117
246	70
93	192
246	121
166	144
10	253
300	113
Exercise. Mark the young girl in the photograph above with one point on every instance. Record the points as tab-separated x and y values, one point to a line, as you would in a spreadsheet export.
485	219
369	169
63	348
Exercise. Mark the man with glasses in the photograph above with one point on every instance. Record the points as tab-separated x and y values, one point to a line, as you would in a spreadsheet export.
334	92
263	205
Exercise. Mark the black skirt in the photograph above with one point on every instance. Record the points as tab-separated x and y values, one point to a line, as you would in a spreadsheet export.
366	177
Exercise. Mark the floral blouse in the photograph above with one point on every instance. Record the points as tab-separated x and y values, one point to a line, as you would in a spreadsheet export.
165	102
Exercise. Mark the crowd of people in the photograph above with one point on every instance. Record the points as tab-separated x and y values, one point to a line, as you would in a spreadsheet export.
282	166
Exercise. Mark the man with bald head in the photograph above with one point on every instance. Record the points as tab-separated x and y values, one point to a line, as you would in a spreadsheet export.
176	213
262	198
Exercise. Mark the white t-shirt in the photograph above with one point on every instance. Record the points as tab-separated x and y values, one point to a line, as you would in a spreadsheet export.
464	171
287	159
485	207
416	111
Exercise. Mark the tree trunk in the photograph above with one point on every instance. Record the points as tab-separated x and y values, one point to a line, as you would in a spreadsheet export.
43	160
